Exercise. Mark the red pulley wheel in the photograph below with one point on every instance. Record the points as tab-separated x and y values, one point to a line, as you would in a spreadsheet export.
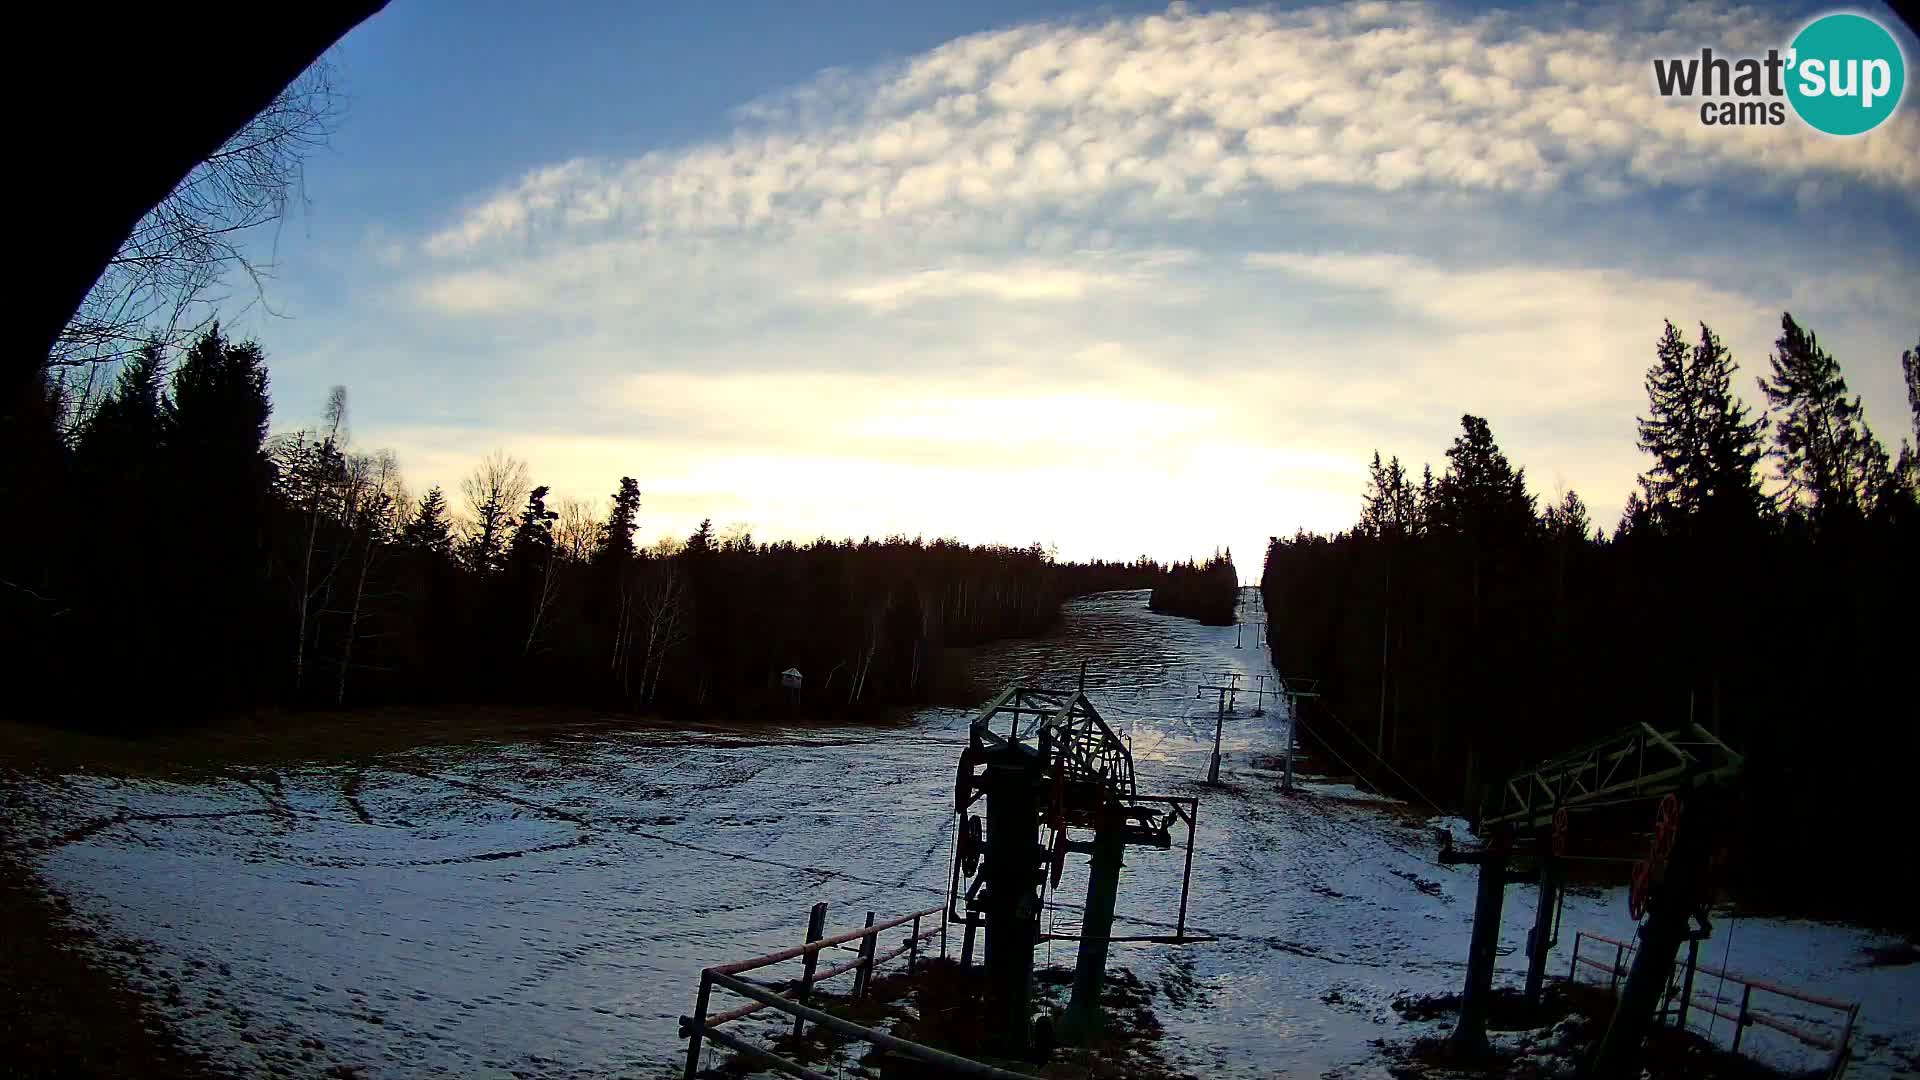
1637	892
1560	829
1666	828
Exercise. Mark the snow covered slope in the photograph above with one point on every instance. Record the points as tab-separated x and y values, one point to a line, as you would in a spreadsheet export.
543	909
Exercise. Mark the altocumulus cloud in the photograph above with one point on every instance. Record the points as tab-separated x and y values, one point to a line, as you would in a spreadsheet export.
1259	242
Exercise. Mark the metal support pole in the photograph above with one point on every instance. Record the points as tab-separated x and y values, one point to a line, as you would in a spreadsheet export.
966	943
863	974
1469	1040
1619	953
1013	874
913	946
1540	938
1839	1063
1082	1020
1686	988
1186	876
1219	719
943	934
699	1024
1573	966
1740	1026
1670	903
1293	725
816	929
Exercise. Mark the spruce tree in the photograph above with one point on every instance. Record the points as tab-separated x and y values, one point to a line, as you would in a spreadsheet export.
429	531
1728	494
1568	522
617	535
1829	461
124	431
1423	502
533	538
1403	501
214	461
1668	431
1704	446
1376	506
1482	496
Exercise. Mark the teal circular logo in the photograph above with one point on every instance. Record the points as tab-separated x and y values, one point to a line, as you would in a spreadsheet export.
1845	74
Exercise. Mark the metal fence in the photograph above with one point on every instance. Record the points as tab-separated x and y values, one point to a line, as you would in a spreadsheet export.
1682	996
791	997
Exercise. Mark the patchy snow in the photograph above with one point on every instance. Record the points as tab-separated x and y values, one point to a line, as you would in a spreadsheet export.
544	908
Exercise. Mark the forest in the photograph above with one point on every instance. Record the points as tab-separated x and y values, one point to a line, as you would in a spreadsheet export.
201	564
1762	582
1208	592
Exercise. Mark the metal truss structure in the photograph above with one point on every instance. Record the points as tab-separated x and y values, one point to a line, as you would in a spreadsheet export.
1632	764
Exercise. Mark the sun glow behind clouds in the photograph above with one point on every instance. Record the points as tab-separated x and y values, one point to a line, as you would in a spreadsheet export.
1141	285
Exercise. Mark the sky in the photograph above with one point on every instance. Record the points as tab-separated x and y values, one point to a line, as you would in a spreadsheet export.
1122	280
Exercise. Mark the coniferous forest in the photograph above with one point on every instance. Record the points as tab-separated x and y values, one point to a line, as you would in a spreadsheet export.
1208	592
186	562
1764	581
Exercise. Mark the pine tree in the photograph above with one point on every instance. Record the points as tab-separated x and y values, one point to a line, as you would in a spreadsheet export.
532	566
617	535
1376	505
1828	459
1704	446
701	542
218	411
533	537
1636	520
215	467
1669	430
1569	522
1424	500
1391	508
1482	496
429	531
1728	491
124	431
1404	502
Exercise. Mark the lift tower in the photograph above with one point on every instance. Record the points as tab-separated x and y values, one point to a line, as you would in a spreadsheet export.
1527	821
1046	759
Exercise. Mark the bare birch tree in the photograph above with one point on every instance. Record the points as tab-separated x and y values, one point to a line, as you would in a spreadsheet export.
496	486
667	603
378	500
311	467
577	530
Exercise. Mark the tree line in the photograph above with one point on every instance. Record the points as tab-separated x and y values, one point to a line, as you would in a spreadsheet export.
1207	591
188	561
1761	582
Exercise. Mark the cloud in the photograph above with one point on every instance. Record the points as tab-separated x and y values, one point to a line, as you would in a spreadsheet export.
1177	115
1144	284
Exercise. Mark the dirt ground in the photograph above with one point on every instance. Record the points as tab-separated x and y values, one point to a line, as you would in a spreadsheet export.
64	1013
1556	1041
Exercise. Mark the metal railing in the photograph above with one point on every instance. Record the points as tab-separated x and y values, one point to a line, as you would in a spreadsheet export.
1681	986
702	1025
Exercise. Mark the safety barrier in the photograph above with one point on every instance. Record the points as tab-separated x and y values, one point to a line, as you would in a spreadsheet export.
1681	985
701	1026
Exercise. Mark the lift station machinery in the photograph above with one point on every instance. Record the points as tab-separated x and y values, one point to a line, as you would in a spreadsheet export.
1681	776
1044	761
